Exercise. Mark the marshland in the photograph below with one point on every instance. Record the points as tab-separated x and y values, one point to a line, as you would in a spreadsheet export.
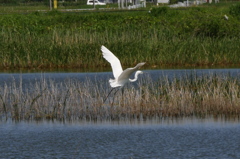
157	95
193	37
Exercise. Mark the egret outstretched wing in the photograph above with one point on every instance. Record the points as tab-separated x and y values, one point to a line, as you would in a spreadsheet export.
121	77
113	60
127	73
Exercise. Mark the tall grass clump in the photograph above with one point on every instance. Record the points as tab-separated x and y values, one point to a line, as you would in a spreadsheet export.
188	96
234	10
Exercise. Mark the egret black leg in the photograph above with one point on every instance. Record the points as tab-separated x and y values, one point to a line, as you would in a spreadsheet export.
116	91
122	93
114	95
108	95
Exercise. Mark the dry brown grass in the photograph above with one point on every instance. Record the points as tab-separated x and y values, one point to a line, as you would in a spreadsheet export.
74	100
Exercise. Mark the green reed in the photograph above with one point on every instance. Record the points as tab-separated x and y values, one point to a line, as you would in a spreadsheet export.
188	96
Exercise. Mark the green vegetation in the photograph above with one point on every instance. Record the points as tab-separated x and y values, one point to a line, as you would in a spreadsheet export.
235	10
190	96
195	36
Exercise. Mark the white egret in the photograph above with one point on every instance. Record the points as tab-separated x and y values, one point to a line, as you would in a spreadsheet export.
121	77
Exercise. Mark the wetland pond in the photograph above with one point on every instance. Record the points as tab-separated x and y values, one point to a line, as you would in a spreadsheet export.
168	138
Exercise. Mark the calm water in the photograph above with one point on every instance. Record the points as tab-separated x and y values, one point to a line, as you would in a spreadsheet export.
104	76
179	139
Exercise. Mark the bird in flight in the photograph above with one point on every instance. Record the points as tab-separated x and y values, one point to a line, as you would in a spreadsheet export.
121	77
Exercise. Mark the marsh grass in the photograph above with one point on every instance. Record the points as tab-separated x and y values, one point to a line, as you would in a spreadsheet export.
72	100
197	36
81	49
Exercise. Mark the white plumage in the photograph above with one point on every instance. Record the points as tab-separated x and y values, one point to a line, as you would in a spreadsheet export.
121	77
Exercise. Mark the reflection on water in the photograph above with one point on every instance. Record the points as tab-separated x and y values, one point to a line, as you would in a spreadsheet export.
168	139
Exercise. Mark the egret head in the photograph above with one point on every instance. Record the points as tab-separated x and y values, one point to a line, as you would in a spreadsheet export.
140	64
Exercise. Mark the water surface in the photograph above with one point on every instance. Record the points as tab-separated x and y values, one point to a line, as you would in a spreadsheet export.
166	140
104	76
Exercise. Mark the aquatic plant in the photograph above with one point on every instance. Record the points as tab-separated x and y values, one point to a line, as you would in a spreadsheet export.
191	95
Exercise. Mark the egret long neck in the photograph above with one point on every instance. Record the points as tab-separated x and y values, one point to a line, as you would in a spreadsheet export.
135	77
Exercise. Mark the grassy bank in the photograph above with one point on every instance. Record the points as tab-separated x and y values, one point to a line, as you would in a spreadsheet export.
190	96
196	36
